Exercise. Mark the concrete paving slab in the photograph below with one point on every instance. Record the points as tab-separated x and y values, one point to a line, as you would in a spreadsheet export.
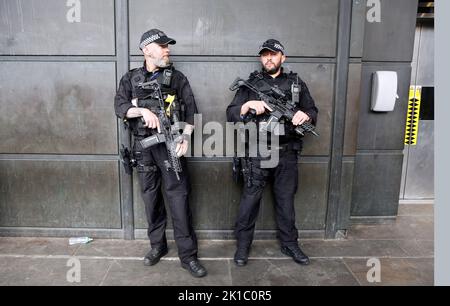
114	248
417	248
166	273
321	272
416	210
396	272
50	272
36	246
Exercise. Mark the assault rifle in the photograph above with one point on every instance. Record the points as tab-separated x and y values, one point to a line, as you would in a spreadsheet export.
169	135
280	109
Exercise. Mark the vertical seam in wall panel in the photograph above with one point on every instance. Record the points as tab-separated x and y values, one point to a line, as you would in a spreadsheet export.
122	66
339	108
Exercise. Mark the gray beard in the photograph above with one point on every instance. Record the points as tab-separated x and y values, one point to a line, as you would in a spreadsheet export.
159	62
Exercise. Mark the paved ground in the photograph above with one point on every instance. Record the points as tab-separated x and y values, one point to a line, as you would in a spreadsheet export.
405	249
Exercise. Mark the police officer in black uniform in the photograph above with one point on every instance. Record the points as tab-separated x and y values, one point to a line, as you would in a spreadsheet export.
152	162
285	174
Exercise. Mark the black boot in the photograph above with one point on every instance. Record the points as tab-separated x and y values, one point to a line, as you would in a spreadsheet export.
195	268
241	256
154	255
296	253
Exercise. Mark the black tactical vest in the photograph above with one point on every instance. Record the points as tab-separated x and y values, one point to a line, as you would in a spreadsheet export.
146	98
282	91
257	79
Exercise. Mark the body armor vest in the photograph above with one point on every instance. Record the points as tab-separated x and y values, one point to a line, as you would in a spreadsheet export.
146	98
284	92
257	80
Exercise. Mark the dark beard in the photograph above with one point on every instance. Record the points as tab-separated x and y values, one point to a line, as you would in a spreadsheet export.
274	70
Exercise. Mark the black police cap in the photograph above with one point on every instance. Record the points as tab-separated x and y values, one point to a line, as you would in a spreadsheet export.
156	36
272	45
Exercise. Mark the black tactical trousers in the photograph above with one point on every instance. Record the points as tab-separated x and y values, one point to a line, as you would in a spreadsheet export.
285	183
151	171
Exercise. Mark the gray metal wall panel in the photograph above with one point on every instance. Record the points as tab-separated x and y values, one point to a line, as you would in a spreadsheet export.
358	23
40	27
383	131
352	109
215	198
62	107
59	194
376	184
203	27
213	97
420	175
425	68
391	39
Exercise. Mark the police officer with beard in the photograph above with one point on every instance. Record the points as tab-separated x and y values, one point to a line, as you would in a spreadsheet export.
152	162
285	174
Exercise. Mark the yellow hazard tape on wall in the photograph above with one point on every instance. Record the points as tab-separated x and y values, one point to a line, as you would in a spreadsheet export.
412	119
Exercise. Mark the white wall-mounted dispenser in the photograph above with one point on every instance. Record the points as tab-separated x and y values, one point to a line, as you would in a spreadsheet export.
384	91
